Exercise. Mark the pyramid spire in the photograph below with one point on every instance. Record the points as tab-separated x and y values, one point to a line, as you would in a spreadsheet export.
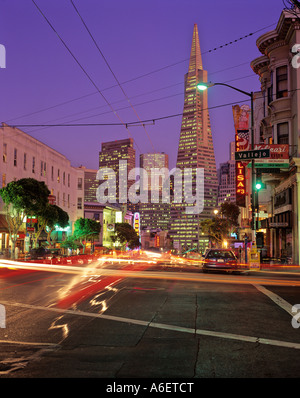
195	57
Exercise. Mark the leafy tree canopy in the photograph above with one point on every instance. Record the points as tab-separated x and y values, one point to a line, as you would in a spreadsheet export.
26	195
124	233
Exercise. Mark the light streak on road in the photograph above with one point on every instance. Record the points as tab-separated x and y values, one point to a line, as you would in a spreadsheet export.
92	269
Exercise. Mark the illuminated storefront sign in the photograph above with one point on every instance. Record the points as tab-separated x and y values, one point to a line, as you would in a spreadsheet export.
242	143
157	241
240	184
136	221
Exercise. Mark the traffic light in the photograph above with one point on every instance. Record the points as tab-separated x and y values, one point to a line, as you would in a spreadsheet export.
258	183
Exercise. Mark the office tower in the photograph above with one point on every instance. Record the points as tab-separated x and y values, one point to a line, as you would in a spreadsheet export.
195	151
150	161
110	156
90	184
154	215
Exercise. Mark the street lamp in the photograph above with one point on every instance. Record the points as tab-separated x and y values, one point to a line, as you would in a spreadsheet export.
202	86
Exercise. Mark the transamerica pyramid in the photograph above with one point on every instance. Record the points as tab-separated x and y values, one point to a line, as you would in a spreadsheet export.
195	150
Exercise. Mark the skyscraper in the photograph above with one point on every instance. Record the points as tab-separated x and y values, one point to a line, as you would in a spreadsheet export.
154	215
110	156
195	150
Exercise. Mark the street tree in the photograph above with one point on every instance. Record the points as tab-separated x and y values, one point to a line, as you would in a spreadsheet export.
125	234
25	197
217	229
48	218
85	230
230	211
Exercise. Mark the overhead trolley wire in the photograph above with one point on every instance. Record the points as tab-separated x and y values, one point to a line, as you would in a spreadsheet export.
146	74
109	67
82	68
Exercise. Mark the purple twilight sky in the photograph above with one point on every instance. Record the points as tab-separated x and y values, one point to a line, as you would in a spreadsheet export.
145	45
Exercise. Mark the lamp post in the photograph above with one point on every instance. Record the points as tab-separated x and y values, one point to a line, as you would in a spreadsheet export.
204	86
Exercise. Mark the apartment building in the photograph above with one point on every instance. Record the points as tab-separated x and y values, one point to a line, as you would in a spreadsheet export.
26	157
279	126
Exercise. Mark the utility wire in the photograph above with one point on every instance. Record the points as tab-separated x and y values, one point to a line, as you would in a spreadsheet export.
136	123
82	68
147	74
109	67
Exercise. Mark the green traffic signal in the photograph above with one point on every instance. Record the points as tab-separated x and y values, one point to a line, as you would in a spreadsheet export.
258	185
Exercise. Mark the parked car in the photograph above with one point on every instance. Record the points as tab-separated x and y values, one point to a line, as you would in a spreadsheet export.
219	259
43	253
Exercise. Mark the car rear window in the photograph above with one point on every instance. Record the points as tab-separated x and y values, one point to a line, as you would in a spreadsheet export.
220	254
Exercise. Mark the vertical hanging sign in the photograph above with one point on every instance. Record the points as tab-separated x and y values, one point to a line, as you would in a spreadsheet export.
241	125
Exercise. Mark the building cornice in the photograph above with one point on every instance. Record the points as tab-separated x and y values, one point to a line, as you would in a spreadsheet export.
286	24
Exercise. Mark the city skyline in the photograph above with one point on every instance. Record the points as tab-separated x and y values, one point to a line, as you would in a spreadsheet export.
42	80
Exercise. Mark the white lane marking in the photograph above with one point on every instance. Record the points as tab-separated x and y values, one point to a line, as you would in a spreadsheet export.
277	299
210	333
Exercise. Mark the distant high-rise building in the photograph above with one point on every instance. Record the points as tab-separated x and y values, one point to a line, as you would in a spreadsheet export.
195	150
226	178
154	215
110	156
90	184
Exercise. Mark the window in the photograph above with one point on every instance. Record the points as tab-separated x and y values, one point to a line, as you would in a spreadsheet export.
79	203
4	152
79	186
58	175
33	164
3	180
52	173
25	162
69	180
283	133
15	156
270	90
43	168
281	82
64	178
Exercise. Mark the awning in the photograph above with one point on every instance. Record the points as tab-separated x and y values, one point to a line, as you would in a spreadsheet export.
281	220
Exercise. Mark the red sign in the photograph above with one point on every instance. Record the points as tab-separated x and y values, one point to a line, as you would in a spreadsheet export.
52	199
240	184
242	143
276	151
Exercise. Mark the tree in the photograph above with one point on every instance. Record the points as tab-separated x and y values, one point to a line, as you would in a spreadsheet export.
86	229
125	234
220	228
25	197
50	217
231	212
217	229
69	243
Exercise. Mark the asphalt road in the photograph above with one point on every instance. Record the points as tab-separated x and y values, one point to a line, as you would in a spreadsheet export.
121	323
